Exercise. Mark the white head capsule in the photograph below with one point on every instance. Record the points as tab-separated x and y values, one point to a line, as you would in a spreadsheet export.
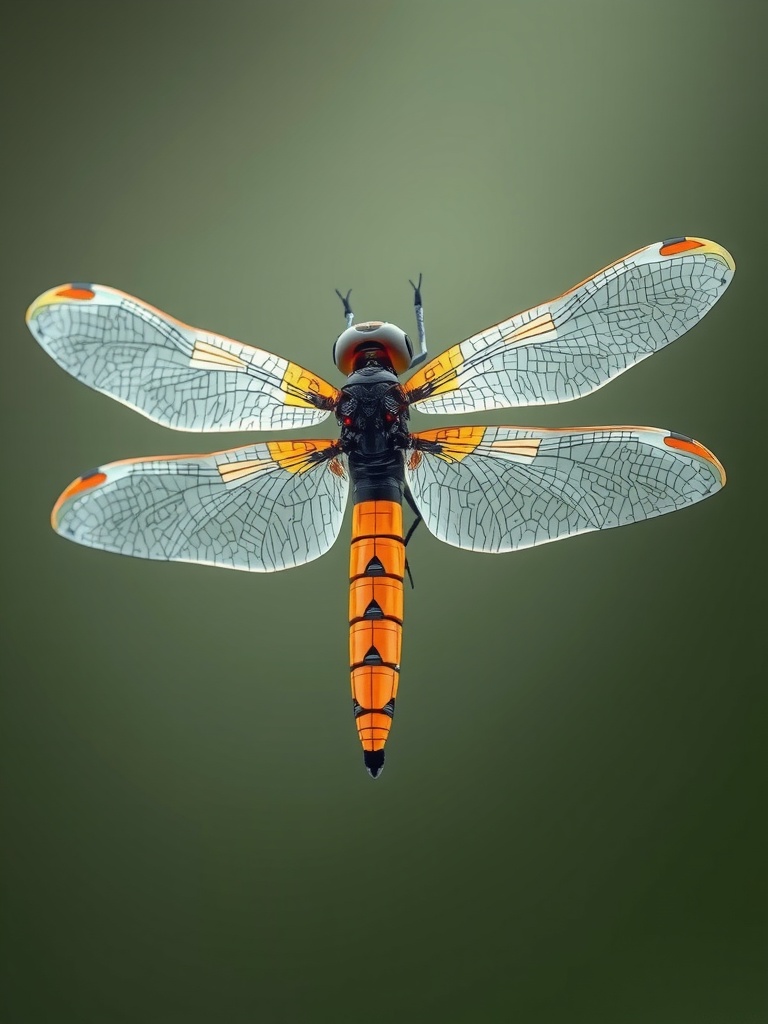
353	343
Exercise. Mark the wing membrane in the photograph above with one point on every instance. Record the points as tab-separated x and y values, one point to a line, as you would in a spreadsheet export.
175	374
504	488
576	343
265	507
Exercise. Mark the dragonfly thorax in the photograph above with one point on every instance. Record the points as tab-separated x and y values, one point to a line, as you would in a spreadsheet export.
372	412
373	372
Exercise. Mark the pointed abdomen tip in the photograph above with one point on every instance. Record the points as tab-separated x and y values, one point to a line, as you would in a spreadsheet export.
374	761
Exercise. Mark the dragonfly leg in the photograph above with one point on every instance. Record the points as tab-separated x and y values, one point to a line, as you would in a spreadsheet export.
411	503
412	528
410	577
349	316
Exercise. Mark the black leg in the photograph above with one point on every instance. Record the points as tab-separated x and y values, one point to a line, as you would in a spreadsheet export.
413	526
408	570
411	503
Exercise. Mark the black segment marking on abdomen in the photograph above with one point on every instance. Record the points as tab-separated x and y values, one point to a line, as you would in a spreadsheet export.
374	611
372	657
388	709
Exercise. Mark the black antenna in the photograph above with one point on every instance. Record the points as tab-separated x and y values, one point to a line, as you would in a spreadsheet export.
348	314
419	322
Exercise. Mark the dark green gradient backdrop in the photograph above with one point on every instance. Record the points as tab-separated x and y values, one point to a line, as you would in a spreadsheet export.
571	823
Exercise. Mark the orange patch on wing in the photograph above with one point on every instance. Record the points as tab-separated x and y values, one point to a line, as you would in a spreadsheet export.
83	483
76	293
678	247
696	449
415	460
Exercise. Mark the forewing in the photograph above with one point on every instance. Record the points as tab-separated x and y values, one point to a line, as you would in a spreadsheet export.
265	507
504	488
176	375
576	343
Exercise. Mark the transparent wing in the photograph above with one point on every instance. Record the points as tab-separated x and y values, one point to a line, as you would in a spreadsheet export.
177	375
578	342
504	488
265	507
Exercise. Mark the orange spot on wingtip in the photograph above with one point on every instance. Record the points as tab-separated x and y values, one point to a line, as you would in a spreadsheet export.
83	483
696	449
682	246
76	293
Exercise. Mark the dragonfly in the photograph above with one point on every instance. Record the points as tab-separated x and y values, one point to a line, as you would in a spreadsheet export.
278	504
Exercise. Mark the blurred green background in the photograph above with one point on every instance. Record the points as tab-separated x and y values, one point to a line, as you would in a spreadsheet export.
571	826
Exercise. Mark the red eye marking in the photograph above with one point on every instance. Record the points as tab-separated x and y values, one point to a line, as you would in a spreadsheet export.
389	417
76	293
347	421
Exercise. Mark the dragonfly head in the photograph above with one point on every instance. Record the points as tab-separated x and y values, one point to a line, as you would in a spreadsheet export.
373	342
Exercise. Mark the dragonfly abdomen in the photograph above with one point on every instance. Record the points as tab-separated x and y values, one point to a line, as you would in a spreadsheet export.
376	567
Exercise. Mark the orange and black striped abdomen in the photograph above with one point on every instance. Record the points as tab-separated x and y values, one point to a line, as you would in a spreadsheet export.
376	567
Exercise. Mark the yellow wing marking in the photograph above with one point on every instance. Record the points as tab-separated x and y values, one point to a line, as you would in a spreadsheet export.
534	329
527	447
457	442
231	471
292	455
541	325
208	356
444	367
297	382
